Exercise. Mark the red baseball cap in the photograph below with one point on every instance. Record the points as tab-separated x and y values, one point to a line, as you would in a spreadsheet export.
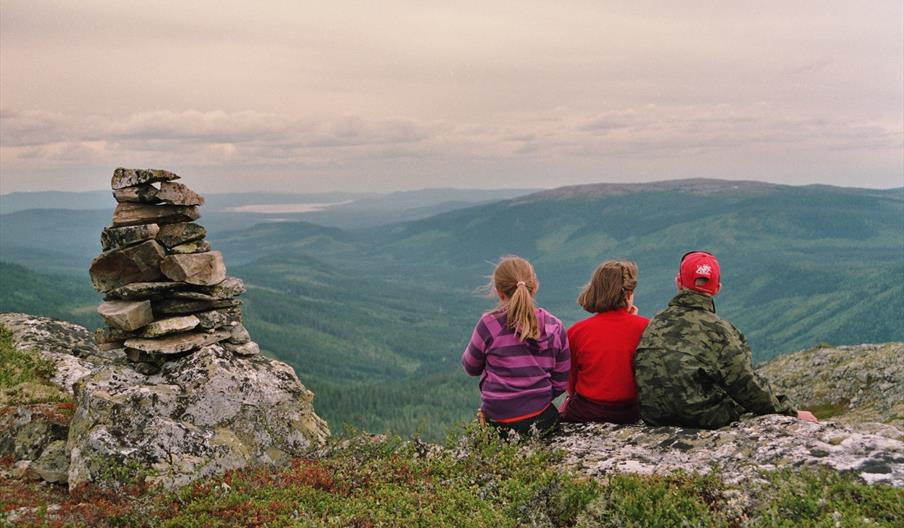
696	265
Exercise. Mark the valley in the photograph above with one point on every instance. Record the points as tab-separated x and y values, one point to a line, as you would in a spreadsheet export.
374	317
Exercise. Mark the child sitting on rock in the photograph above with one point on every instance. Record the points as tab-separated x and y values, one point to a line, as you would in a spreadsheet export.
601	387
520	351
693	368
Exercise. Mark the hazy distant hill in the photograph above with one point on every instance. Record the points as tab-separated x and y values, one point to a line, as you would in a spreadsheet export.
407	205
801	265
825	258
387	310
65	241
61	296
21	201
59	232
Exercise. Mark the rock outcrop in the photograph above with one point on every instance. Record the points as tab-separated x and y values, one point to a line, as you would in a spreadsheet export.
859	383
202	414
858	389
33	434
173	389
70	348
739	452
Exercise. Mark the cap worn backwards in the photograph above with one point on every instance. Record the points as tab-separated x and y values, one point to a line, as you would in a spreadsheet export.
697	265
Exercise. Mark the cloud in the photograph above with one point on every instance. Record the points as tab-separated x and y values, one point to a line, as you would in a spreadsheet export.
652	137
194	136
809	66
610	121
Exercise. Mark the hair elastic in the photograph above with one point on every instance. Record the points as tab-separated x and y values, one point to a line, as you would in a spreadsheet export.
521	283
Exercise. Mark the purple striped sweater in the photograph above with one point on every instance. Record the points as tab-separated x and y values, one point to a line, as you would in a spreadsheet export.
517	377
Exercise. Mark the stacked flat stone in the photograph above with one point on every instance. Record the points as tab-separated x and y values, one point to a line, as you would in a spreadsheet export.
166	292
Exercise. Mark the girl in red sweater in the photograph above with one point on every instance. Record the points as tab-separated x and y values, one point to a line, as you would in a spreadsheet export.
601	384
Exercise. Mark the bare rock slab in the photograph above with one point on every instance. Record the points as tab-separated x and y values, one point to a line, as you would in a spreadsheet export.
867	381
178	343
245	349
27	430
127	214
146	193
171	235
117	237
192	296
239	335
198	246
204	269
53	464
230	287
872	451
111	335
171	325
139	263
110	346
123	177
185	306
226	317
146	290
126	315
203	414
175	193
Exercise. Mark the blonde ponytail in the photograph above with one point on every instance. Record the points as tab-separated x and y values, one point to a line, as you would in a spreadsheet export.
514	277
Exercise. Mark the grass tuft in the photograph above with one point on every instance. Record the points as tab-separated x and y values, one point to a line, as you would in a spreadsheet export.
25	375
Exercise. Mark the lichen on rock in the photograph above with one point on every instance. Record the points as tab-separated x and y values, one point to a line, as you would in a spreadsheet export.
856	383
739	452
204	413
68	346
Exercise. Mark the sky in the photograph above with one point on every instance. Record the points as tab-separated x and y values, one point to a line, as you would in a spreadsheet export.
293	96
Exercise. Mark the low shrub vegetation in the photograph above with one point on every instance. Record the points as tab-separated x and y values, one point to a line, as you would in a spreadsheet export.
475	480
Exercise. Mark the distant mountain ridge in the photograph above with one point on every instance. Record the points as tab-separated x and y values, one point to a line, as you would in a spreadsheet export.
399	200
22	201
703	186
389	308
698	186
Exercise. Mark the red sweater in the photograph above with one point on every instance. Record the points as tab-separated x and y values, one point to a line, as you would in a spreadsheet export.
602	354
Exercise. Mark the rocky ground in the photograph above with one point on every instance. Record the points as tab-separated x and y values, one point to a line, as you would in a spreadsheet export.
850	384
740	452
69	347
98	420
857	390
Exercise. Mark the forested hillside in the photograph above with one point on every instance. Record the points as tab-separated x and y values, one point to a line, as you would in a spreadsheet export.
60	296
374	320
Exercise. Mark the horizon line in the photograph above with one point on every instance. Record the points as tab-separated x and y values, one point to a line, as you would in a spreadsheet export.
533	189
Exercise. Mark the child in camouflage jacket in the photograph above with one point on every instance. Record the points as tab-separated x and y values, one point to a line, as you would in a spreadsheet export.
693	368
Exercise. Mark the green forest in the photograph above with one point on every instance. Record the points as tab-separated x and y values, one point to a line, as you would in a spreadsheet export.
374	319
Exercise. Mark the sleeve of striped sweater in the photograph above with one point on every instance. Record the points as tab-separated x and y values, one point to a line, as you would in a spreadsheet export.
474	357
563	364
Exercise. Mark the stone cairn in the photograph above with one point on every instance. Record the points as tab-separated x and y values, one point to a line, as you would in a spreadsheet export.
166	292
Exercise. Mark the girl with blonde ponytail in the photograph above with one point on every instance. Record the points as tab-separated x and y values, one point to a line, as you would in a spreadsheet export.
520	351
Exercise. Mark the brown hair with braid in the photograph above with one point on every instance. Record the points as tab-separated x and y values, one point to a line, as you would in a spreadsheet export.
516	283
609	287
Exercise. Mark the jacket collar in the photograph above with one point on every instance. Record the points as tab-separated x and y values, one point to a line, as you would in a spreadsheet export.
693	300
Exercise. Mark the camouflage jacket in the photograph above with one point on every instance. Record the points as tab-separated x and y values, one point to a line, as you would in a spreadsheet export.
694	369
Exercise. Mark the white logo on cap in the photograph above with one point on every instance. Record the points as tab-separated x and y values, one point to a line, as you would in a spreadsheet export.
704	269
